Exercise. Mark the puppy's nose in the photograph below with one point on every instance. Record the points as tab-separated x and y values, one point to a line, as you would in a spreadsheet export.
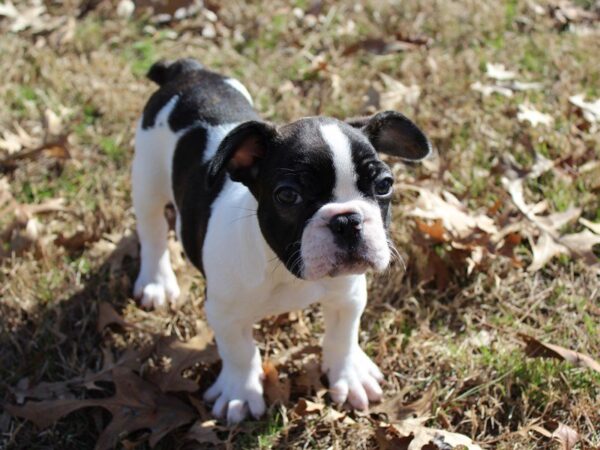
347	226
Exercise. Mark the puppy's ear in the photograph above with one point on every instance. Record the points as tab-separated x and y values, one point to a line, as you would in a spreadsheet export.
394	134
241	152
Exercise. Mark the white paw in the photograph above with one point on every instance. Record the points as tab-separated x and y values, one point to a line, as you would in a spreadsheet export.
354	378
156	290
235	392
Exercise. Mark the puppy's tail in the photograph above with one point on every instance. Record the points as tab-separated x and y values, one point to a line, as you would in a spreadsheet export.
163	71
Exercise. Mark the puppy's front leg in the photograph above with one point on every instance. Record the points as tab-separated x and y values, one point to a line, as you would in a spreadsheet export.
352	375
239	385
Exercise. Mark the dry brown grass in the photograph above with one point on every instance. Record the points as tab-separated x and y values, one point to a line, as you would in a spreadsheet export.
461	340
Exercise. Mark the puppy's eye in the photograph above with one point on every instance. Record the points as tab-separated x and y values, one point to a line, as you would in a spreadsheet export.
383	187
287	196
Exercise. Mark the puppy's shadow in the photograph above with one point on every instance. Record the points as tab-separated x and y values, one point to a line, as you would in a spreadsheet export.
58	342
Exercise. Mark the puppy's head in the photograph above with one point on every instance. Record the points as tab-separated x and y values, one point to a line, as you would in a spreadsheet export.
323	193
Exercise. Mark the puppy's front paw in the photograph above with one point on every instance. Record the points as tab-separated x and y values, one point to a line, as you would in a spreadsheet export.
354	378
154	291
234	393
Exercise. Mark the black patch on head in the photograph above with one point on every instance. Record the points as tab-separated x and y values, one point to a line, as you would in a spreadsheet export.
300	159
204	96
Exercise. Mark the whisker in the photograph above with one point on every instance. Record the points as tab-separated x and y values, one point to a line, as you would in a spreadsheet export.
240	218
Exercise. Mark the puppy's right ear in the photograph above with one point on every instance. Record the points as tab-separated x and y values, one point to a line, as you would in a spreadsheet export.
242	152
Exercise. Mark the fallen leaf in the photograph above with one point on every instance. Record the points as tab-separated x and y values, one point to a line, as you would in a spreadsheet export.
276	390
305	407
180	356
308	381
136	405
78	240
395	409
411	434
489	89
564	434
204	432
397	95
533	116
32	17
539	349
455	218
591	110
594	226
499	72
108	316
435	230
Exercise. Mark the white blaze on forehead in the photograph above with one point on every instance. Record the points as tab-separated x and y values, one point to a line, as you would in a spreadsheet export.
241	88
345	175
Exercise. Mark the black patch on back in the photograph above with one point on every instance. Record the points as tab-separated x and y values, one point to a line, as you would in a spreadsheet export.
204	96
193	200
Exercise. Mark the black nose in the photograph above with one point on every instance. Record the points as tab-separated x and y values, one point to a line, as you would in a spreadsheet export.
347	227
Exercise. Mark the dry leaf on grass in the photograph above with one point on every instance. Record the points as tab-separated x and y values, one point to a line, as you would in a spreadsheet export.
455	218
550	242
564	434
204	432
594	226
411	434
540	349
591	110
397	95
276	390
136	405
179	356
499	72
305	407
108	316
395	409
533	116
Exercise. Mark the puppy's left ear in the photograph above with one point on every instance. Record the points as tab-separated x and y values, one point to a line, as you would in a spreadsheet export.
241	153
394	134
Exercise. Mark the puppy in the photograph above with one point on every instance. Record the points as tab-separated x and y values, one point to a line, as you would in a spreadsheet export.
276	218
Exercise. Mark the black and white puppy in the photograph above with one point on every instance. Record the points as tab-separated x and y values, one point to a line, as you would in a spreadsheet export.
276	218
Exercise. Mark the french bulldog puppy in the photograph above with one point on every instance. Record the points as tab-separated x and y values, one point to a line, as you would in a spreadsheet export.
275	217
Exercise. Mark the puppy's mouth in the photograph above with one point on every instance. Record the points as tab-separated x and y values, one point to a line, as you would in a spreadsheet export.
351	263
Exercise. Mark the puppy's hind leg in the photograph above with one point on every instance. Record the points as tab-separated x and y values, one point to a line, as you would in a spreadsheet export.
156	283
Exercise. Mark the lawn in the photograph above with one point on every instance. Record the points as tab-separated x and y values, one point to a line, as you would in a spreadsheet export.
475	326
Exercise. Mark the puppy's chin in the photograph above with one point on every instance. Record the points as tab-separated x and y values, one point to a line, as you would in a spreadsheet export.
338	266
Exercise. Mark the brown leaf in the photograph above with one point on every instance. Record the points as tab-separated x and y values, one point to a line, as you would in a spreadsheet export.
435	231
108	316
395	409
539	349
308	381
430	438
136	405
180	356
204	432
564	434
305	407
388	439
78	240
276	390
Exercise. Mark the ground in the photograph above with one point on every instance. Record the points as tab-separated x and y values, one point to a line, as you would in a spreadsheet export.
445	325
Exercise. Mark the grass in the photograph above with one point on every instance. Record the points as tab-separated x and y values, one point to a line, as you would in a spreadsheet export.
462	340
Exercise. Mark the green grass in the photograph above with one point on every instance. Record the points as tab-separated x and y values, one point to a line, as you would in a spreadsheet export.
419	335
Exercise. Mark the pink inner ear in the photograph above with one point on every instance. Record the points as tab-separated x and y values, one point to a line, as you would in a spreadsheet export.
247	154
